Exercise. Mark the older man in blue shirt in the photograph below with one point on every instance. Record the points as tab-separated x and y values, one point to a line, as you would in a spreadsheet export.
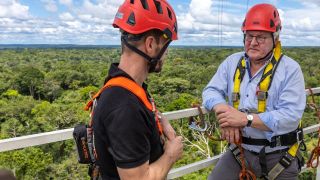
285	99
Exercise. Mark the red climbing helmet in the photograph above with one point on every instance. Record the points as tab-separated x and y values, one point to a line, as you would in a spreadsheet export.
139	16
262	17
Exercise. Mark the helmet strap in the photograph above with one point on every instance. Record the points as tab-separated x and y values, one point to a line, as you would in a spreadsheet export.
152	61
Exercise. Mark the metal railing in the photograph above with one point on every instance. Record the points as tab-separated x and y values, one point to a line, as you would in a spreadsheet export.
66	134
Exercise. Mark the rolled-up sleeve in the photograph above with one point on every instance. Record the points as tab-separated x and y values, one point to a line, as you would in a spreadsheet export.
215	92
289	107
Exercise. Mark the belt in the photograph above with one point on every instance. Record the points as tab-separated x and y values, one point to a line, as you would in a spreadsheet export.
273	152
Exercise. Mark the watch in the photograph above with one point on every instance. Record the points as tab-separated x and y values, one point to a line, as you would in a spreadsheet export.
250	119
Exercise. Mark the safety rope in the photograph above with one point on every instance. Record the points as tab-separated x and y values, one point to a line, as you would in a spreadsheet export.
245	173
315	153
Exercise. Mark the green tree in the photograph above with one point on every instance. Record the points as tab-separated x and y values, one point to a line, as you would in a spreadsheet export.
29	80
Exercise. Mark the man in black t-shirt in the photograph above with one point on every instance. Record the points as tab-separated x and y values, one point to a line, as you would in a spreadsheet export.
126	134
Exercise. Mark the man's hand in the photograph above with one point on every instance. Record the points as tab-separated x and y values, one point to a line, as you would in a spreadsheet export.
231	118
168	131
221	108
230	134
174	148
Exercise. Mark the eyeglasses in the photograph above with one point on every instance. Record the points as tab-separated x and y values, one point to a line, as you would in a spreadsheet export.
260	39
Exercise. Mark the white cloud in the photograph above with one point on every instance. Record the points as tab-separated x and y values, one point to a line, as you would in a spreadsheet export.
310	3
103	9
50	5
66	17
13	9
301	26
87	23
66	2
208	24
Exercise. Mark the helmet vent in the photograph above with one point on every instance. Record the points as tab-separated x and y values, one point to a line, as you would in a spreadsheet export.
169	13
158	6
144	4
132	1
274	14
271	23
131	19
168	33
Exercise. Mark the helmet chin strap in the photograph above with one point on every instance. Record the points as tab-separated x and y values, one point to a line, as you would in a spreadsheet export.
152	61
266	57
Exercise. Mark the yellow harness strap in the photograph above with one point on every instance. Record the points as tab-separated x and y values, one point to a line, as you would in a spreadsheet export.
237	81
262	93
294	149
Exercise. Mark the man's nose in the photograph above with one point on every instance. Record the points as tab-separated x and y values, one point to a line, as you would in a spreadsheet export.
254	41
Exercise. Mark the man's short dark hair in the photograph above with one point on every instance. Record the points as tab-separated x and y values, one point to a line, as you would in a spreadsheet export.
137	39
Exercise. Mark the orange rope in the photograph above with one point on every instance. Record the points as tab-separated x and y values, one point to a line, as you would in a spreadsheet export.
245	173
315	153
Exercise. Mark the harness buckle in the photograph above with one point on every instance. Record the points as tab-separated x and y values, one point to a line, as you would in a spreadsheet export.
300	140
286	160
235	97
299	136
262	95
275	141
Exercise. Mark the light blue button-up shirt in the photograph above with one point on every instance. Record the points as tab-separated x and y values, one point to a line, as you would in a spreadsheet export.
286	97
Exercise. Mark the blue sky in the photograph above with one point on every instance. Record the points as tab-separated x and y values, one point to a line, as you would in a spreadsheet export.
201	22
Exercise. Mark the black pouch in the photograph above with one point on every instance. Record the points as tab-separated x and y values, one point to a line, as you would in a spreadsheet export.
82	139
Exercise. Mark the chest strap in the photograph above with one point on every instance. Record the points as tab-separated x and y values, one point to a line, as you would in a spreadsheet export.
125	83
264	83
134	88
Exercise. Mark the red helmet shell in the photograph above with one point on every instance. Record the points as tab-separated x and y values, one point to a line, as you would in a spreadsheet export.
139	16
262	17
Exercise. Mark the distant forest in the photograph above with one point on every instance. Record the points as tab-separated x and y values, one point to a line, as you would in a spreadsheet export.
45	90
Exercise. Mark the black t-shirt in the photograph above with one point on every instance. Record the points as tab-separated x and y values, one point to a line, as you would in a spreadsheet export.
125	131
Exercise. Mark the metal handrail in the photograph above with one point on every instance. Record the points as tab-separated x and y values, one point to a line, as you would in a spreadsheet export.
65	134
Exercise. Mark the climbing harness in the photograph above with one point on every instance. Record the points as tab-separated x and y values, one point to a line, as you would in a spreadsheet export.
293	139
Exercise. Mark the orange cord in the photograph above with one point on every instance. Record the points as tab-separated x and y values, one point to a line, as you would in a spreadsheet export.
315	153
245	173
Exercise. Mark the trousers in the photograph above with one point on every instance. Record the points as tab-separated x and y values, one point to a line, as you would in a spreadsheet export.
228	168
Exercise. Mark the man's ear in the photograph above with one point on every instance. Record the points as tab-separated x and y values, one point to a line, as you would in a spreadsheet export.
150	45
